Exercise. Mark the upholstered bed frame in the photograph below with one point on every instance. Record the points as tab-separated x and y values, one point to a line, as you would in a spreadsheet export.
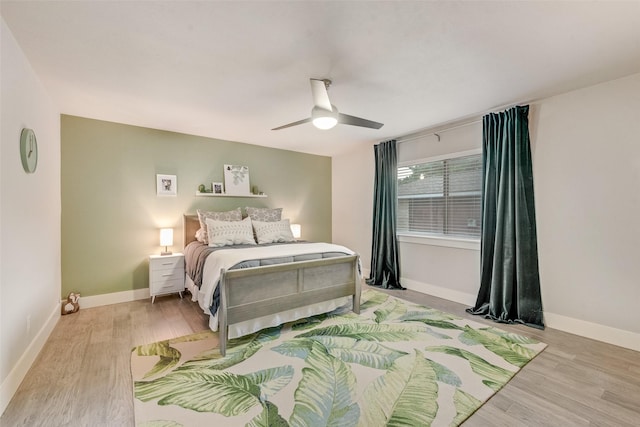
250	293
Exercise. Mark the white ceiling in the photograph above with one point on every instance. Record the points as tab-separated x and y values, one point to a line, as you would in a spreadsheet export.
234	70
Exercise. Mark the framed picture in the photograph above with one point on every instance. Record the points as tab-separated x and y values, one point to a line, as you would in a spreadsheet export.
236	180
166	185
217	188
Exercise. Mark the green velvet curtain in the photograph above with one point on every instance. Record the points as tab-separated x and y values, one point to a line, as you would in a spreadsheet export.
510	282
385	268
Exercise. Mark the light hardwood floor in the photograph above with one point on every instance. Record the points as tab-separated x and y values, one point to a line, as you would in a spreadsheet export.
82	376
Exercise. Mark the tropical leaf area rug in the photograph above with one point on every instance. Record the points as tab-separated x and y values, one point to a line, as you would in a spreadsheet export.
396	363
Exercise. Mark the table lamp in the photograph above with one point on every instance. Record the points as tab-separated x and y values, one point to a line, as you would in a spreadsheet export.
296	230
166	240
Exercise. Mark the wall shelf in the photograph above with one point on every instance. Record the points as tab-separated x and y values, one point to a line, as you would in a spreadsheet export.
199	194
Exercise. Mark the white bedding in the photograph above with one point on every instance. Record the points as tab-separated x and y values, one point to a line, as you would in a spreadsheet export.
227	258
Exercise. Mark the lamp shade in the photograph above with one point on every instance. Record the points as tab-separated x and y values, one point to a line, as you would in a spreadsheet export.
296	230
166	237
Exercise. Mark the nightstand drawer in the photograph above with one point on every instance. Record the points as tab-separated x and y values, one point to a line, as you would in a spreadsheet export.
169	262
167	286
164	275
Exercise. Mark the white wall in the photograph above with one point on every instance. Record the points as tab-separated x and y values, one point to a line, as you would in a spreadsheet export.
352	205
586	157
586	160
29	219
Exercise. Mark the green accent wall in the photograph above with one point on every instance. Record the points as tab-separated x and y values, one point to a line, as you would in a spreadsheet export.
111	214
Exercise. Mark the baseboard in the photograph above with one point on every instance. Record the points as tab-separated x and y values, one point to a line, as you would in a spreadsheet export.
440	292
113	298
619	337
12	382
595	331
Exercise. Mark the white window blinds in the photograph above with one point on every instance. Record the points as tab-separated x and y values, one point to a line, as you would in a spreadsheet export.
441	197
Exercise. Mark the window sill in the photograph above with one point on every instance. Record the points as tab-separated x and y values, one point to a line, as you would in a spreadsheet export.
449	242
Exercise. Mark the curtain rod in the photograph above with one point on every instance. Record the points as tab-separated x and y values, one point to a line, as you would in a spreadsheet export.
455	124
437	130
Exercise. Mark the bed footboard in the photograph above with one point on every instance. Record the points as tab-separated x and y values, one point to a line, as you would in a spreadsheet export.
250	293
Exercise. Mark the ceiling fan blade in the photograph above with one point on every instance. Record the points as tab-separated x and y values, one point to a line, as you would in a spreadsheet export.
346	119
299	122
320	95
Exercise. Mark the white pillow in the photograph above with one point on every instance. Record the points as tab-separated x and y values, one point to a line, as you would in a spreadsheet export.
227	233
273	231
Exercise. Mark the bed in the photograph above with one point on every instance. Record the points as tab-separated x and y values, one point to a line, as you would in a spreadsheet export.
245	288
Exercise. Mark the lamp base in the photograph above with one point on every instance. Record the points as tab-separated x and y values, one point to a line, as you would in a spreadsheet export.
166	253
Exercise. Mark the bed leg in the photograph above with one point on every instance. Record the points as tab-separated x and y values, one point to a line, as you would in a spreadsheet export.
222	334
223	330
357	285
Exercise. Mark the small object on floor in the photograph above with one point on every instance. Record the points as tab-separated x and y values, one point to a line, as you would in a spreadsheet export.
71	305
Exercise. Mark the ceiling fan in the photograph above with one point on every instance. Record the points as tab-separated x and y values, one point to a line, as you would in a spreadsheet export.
325	115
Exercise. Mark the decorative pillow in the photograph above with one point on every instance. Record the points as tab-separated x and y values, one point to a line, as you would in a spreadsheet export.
201	234
274	231
227	233
264	214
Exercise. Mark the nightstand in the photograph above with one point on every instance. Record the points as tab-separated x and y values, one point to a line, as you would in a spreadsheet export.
166	275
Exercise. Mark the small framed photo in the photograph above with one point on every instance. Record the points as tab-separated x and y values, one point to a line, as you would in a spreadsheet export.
166	185
217	188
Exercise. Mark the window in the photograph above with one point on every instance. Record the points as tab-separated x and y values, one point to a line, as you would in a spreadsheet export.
441	197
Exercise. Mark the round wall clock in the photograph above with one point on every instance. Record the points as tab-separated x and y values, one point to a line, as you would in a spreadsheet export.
28	150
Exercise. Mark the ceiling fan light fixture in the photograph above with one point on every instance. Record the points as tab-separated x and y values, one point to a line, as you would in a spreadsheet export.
325	122
324	119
